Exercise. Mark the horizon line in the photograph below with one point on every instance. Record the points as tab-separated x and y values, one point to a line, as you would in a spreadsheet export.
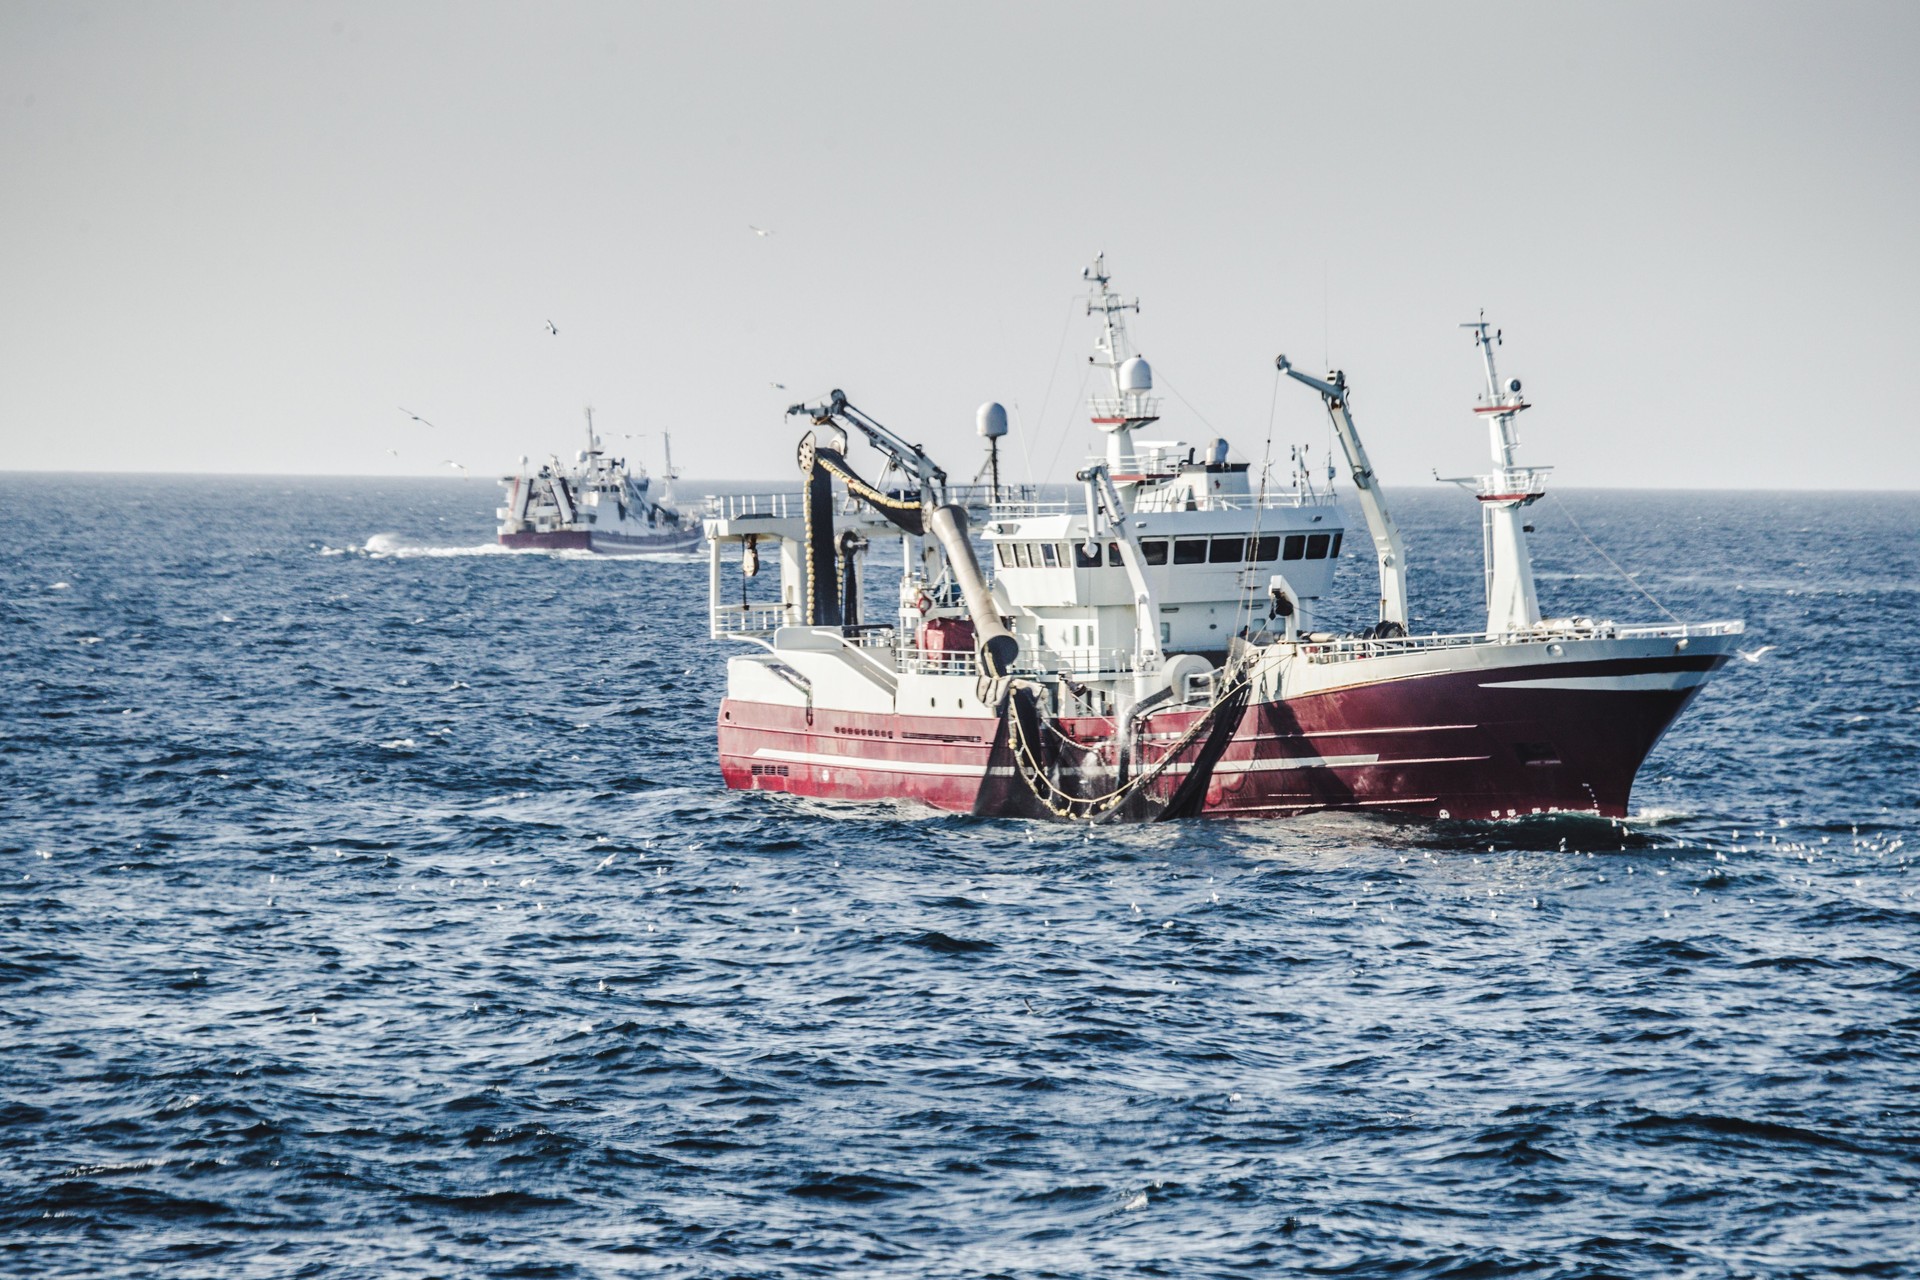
449	479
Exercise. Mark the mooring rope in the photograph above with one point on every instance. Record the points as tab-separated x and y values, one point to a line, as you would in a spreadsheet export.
1609	559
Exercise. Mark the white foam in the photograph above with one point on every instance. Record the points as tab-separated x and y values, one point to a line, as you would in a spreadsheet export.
397	550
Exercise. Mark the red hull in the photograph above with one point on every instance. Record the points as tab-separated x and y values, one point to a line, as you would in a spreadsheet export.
566	540
606	544
1455	744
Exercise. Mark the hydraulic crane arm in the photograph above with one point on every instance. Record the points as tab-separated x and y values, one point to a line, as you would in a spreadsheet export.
1103	497
910	458
1386	535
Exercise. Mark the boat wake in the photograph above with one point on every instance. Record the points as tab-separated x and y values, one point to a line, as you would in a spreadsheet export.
393	546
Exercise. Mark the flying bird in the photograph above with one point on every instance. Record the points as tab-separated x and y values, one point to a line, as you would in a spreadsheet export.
461	467
394	452
553	328
416	417
762	232
1756	654
778	386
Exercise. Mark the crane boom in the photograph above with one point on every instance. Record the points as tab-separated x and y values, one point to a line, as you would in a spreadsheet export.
1387	546
910	458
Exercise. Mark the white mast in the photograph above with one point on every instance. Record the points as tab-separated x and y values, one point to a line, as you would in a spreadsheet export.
1132	378
1511	602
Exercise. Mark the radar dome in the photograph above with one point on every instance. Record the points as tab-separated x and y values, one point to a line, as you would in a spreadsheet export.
993	420
1136	375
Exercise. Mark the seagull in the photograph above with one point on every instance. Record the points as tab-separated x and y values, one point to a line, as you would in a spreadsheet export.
416	417
778	386
394	452
461	467
553	329
762	232
1756	654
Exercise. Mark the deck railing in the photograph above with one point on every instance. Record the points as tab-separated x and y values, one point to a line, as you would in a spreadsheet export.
935	662
1020	510
1347	649
1514	480
1162	500
735	506
882	644
745	619
972	497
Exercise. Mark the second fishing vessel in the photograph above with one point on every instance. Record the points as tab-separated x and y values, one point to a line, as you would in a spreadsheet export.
596	503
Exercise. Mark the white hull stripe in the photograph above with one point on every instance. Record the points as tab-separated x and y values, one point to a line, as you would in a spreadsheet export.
1288	762
1271	765
1621	684
870	764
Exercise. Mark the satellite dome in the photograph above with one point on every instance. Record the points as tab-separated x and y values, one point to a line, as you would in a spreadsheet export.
1136	375
992	420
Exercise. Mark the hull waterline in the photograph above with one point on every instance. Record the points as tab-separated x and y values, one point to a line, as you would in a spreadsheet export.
606	544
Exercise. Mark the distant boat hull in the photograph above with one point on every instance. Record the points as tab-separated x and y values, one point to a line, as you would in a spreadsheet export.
1484	740
607	544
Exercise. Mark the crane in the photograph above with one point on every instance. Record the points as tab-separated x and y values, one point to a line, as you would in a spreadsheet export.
1387	546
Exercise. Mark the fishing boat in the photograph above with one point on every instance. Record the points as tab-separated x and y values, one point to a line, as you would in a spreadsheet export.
595	503
1151	646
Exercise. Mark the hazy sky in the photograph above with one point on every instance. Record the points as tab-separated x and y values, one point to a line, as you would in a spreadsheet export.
239	236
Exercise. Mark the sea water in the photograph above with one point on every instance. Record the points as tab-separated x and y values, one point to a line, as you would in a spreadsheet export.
372	907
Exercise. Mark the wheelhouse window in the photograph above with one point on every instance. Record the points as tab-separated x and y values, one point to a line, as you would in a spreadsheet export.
1334	550
1021	558
1154	551
1296	547
1003	554
1113	556
1050	555
1266	547
1084	558
1190	551
1228	551
1317	546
